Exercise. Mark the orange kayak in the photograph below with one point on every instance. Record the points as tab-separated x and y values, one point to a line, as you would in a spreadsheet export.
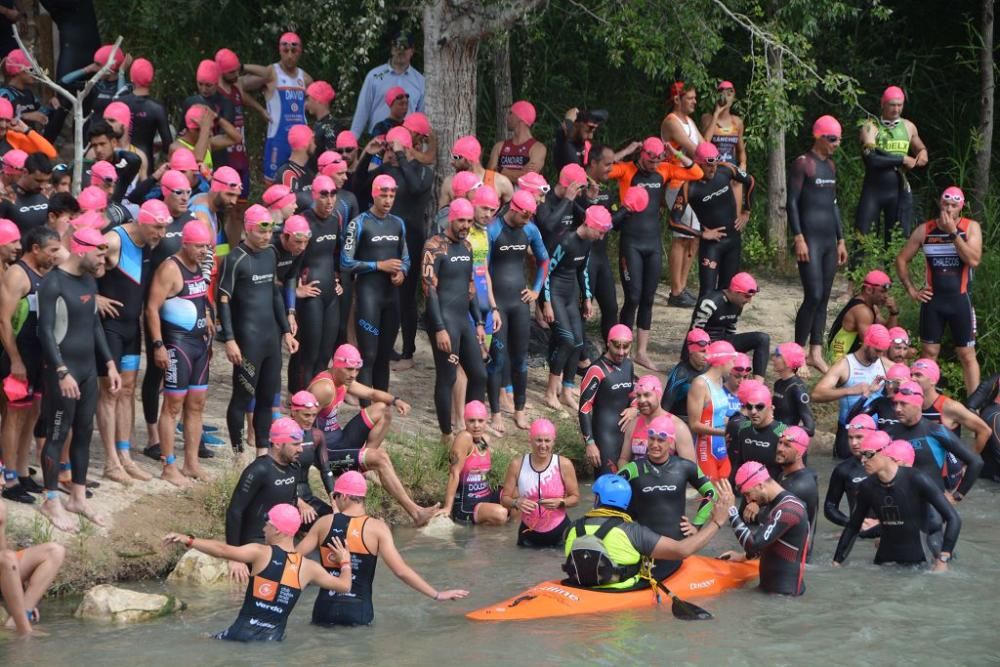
698	576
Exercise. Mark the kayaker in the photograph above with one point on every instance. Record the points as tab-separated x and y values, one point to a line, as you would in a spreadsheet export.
659	483
781	539
545	486
607	550
468	497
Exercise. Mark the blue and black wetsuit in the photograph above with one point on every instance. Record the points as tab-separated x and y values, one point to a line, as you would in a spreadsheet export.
568	280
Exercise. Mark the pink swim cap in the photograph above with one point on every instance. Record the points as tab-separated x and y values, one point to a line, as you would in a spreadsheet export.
154	212
460	209
909	392
284	431
400	134
523	202
321	91
898	372
6	110
725	85
296	224
9	232
720	353
653	147
928	368
463	182
746	388
750	475
13	160
877	337
901	451
571	174
174	180
743	283
102	55
742	361
417	122
299	137
303	400
899	335
119	112
227	61
797	438
636	199
620	332
662	426
88	219
346	139
862	422
826	126
875	441
954	193
598	218
792	353
893	93
467	147
877	278
196	232
285	518
290	38
533	182
706	152
277	197
347	356
759	394
542	427
92	198
226	179
382	182
394	94
524	111
486	197
141	73
476	410
649	383
183	159
697	338
322	183
192	117
16	62
351	483
104	171
86	239
208	72
255	215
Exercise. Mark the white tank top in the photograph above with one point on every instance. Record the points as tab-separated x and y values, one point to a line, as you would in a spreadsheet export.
858	373
539	485
286	105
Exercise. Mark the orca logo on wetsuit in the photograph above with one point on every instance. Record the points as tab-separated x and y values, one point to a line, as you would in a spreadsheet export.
326	237
717	193
650	186
661	487
622	385
385	237
285	481
520	246
35	207
461	258
171	235
759	443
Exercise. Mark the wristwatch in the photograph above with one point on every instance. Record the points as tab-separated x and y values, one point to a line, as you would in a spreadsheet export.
61	373
957	496
157	344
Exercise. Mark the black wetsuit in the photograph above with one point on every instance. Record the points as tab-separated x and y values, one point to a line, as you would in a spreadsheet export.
367	241
753	444
991	454
224	108
347	206
149	119
71	335
781	539
659	500
508	248
565	150
813	212
604	393
556	216
262	485
271	595
804	485
885	190
602	278
568	280
325	131
28	210
254	316
792	403
314	454
451	299
718	316
845	479
318	316
879	407
901	508
714	203
355	607
297	178
678	384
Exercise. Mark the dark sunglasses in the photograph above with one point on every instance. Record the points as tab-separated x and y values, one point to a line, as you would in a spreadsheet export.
699	343
99	246
755	407
750	292
742	369
868	454
456	157
401	97
107	180
654	156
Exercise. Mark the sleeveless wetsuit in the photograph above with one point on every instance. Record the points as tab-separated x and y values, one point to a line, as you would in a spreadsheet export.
857	373
514	157
473	486
841	341
355	607
345	446
951	280
25	326
885	192
127	282
271	595
710	450
185	334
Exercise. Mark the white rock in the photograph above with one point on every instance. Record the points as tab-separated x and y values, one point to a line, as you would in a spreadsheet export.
199	569
440	527
119	605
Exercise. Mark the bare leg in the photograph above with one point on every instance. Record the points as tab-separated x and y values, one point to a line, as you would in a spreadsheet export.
78	504
24	439
458	401
39	566
125	425
491	514
53	510
521	420
106	427
378	461
678	251
970	367
692	251
552	392
169	412
13	594
642	352
194	413
816	360
13	425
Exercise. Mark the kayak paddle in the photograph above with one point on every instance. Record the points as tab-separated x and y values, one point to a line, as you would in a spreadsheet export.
682	610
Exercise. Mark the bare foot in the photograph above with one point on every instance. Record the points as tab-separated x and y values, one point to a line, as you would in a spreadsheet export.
496	424
566	397
425	514
521	421
551	401
84	510
401	365
506	401
447	439
118	474
646	362
54	511
818	364
193	473
174	476
134	471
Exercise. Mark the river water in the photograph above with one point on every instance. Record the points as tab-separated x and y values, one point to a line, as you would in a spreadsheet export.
857	615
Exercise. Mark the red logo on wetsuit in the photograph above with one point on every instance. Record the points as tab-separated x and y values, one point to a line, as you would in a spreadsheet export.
84	298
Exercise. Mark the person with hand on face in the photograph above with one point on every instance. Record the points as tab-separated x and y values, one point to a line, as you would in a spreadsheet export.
541	485
521	153
814	218
952	247
724	129
862	311
645	408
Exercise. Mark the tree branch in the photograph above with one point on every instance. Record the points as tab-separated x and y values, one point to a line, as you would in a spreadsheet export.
473	20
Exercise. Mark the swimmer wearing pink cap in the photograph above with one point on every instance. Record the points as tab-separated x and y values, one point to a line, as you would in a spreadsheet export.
872	304
10	242
708	410
522	153
468	495
605	392
945	410
796	478
792	404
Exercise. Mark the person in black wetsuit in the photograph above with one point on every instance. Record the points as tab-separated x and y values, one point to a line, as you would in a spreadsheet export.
598	191
659	484
795	477
107	88
604	395
319	96
73	343
568	282
318	316
681	376
847	476
22	352
450	293
304	408
375	253
790	393
557	215
718	312
814	218
901	499
224	132
29	207
254	323
781	538
279	574
149	116
26	107
367	539
713	201
123	289
181	328
757	437
510	237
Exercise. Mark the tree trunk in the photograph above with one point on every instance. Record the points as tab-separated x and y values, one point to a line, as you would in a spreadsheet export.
776	180
504	95
988	86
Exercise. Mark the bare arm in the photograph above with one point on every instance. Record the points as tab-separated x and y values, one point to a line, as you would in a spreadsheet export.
314	573
536	158
908	252
460	450
494	161
960	414
166	283
314	537
250	102
13	287
826	390
695	402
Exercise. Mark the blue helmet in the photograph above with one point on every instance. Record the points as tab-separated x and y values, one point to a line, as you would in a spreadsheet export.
612	491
